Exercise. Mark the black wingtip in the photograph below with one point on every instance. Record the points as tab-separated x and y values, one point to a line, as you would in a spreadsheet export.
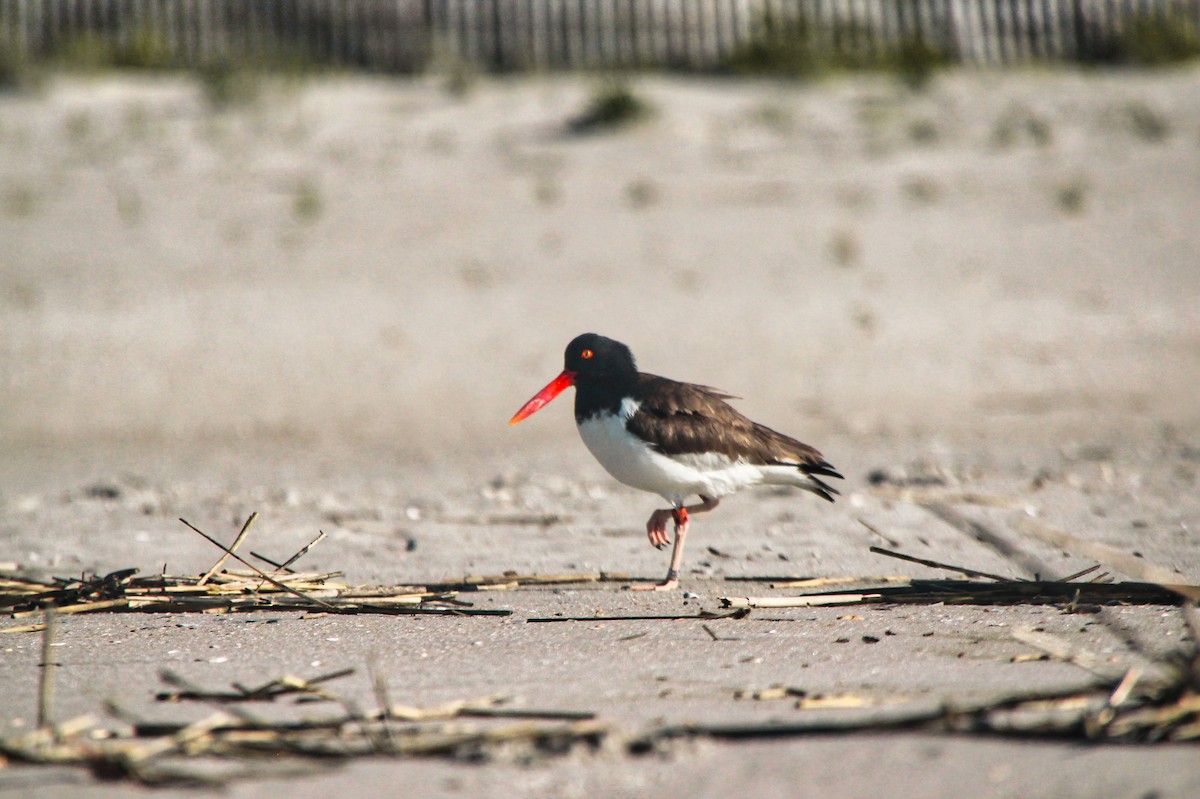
824	468
823	489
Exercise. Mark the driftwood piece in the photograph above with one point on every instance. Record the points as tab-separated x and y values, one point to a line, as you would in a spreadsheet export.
808	601
1131	708
226	591
973	592
819	582
933	564
268	578
234	593
46	677
703	615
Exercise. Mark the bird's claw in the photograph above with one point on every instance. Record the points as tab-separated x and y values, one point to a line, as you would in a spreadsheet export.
656	528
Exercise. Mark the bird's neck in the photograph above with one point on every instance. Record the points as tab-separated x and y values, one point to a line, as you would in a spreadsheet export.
595	396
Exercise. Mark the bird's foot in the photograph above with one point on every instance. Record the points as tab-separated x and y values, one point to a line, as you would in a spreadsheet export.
656	528
669	584
665	585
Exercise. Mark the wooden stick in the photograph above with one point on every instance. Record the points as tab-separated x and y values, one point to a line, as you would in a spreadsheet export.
1080	573
303	550
177	680
890	718
796	601
170	743
260	572
525	713
1125	687
284	566
820	582
933	564
268	561
237	542
82	607
25	628
702	616
287	684
45	705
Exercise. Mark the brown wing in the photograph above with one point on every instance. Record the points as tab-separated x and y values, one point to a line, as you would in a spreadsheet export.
681	418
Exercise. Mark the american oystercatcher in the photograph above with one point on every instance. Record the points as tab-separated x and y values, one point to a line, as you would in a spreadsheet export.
673	439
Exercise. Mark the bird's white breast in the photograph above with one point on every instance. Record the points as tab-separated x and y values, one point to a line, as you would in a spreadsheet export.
635	463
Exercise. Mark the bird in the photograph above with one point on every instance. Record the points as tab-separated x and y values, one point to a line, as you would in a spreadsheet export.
673	439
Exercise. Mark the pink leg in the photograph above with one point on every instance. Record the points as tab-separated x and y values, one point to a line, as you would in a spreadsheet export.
656	529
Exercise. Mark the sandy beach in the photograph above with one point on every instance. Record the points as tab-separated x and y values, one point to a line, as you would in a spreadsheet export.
323	304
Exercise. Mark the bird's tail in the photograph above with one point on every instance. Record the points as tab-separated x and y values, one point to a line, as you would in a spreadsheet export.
803	475
813	472
808	461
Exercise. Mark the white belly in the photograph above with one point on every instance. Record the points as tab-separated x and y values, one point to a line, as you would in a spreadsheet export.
634	463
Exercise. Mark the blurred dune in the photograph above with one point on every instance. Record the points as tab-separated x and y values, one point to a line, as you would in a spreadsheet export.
355	258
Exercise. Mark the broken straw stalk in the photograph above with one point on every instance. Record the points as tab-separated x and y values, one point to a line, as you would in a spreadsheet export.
1115	705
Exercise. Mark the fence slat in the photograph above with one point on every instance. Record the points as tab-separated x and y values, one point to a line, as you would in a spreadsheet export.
503	35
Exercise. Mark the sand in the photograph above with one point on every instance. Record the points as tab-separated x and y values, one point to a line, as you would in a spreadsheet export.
323	305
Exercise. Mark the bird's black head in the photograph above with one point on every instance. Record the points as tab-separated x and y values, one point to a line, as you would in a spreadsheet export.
600	368
596	359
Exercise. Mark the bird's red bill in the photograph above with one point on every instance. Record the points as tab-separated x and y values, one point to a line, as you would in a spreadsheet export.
552	390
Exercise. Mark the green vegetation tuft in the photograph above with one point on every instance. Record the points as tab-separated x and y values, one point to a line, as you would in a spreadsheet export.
1148	124
642	193
231	80
1072	197
227	85
461	78
802	48
924	131
146	49
78	126
844	249
129	206
915	61
20	201
1019	124
16	72
307	203
781	47
88	51
1162	39
1148	40
922	191
613	105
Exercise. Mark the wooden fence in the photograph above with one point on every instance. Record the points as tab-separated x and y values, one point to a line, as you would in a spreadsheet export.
705	34
406	35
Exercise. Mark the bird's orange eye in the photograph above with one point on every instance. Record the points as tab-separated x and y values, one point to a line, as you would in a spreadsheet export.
586	354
